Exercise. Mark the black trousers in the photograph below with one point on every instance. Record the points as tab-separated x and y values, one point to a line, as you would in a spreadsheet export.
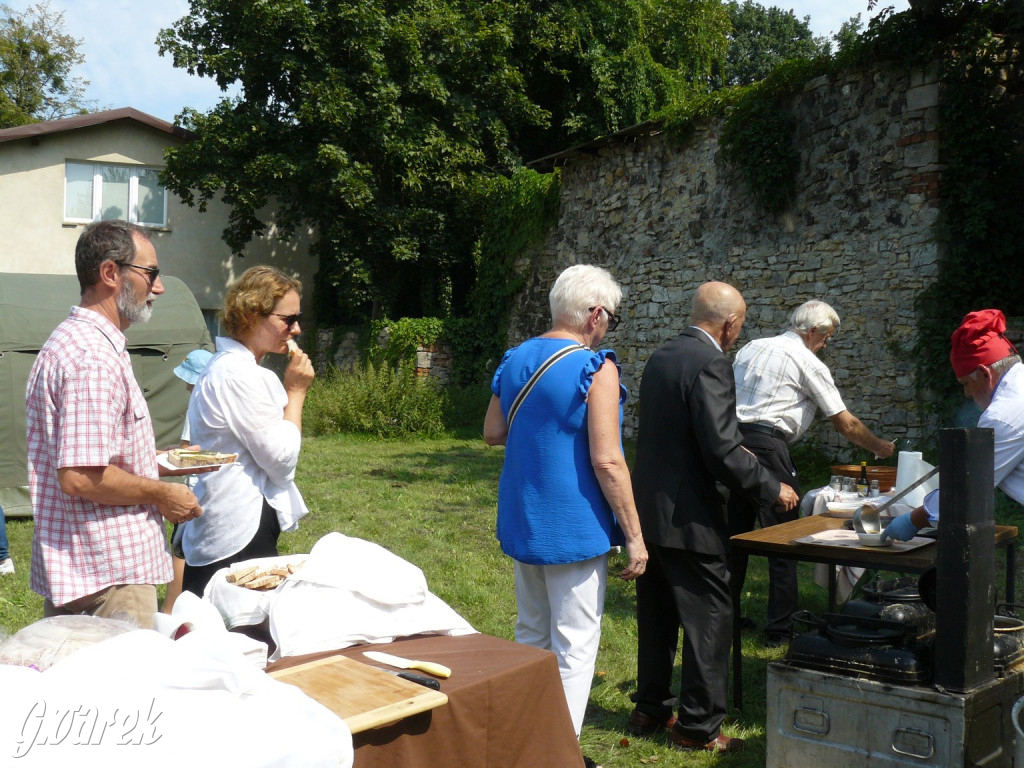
263	544
691	590
773	454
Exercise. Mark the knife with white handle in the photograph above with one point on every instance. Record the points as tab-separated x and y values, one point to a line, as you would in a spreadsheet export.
397	661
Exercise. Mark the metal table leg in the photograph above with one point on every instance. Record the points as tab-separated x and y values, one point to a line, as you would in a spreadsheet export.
737	645
832	589
1011	572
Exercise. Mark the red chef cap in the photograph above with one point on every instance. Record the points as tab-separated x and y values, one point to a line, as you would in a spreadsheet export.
979	341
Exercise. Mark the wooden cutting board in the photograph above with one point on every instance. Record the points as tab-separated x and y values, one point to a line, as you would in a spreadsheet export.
363	696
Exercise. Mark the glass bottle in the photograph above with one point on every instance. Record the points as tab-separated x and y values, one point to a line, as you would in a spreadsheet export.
862	483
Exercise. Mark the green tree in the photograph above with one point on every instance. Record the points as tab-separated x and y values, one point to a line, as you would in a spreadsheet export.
762	38
373	121
36	60
849	33
378	121
598	66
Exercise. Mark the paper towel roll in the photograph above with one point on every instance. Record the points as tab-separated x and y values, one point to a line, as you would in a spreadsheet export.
909	468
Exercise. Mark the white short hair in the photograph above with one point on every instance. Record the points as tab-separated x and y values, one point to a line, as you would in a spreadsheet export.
580	287
813	314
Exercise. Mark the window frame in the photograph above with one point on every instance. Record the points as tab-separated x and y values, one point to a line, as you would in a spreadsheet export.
134	171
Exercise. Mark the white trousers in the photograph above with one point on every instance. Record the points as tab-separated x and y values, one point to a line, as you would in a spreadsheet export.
560	608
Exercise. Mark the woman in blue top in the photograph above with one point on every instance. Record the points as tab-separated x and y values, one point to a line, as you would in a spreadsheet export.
565	498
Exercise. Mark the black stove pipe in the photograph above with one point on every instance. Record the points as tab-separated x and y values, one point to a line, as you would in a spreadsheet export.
965	561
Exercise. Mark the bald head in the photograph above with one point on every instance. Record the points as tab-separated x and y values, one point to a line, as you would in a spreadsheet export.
719	309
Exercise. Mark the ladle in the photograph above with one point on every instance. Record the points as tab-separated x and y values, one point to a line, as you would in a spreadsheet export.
867	517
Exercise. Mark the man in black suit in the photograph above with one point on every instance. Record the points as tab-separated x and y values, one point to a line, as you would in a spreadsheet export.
689	459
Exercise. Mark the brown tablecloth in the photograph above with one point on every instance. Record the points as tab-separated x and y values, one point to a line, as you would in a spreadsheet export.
505	709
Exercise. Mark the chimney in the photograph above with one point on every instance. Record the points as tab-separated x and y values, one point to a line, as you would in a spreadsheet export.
965	561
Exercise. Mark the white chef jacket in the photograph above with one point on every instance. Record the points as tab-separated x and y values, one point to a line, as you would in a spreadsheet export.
1005	417
238	407
782	384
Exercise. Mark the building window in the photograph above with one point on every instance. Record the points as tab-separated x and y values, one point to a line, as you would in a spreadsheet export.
99	191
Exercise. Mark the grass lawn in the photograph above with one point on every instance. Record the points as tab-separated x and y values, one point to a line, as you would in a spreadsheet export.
433	502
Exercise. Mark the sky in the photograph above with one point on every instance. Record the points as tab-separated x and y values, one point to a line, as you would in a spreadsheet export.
124	68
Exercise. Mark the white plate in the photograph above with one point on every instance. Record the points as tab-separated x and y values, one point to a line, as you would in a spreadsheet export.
842	508
164	462
873	540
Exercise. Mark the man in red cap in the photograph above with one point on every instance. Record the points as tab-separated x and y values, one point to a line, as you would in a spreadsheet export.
987	366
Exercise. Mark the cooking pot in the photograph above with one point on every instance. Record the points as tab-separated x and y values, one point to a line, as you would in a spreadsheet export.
1006	620
858	646
895	600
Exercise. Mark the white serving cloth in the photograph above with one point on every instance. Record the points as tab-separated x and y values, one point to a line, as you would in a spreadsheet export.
239	606
352	591
347	591
815	503
165	704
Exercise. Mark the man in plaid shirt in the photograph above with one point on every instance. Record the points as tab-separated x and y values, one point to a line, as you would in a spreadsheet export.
99	546
780	385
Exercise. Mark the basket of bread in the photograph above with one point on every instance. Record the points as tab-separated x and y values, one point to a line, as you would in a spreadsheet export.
261	578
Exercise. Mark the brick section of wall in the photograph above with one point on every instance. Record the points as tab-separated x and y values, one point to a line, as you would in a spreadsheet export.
435	361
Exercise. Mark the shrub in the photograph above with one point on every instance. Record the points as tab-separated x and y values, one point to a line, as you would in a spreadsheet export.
467	408
376	400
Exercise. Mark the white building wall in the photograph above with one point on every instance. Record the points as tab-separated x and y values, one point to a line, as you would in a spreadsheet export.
34	238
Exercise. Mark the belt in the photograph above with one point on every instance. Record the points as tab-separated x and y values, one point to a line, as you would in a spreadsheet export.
764	429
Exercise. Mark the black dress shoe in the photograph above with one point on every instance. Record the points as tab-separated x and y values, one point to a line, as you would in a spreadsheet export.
721	743
775	640
642	724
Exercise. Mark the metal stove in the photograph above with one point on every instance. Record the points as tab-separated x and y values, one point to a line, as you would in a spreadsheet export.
860	690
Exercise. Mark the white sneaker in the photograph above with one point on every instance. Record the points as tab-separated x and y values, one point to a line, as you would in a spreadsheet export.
7	566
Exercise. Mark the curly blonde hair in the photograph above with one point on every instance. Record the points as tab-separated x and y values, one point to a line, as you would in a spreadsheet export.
253	296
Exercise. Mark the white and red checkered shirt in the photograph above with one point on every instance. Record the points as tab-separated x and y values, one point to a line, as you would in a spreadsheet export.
85	409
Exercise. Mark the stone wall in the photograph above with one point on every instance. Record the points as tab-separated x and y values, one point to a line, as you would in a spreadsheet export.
665	218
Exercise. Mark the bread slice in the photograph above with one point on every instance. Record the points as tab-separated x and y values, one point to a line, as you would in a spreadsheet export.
264	583
292	347
183	458
243	574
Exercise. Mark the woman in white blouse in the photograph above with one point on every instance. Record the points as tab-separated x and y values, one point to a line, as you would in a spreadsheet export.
240	407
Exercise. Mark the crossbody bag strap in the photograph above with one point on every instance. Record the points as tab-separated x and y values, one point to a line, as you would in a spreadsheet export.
514	409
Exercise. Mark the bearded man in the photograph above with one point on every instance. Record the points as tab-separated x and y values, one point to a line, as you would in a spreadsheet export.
99	546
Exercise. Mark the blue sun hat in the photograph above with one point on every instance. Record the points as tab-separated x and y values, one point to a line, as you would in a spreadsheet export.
193	365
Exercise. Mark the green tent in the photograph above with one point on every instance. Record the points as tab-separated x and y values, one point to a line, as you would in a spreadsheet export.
31	306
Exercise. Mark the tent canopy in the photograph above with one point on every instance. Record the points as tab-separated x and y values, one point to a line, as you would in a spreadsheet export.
31	306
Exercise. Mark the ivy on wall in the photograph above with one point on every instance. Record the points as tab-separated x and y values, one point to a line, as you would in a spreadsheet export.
981	228
403	338
520	211
981	225
757	136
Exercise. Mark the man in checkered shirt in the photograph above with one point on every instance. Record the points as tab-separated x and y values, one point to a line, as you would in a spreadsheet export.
780	385
99	546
